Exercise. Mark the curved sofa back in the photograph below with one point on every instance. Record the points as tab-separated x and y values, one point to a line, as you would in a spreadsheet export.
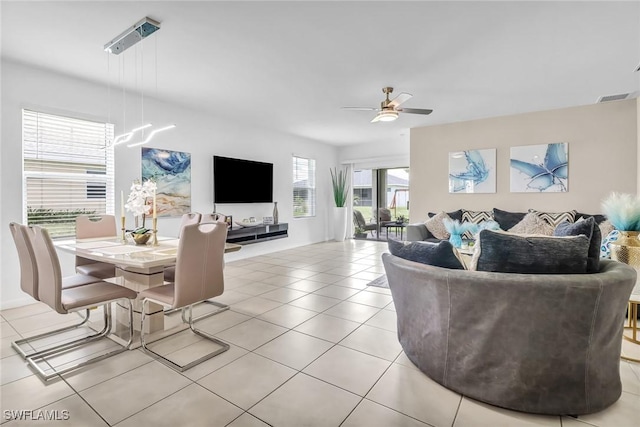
547	344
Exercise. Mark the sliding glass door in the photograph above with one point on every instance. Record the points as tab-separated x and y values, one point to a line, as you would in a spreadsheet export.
380	202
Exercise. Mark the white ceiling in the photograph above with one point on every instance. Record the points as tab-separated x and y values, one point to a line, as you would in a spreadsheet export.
291	65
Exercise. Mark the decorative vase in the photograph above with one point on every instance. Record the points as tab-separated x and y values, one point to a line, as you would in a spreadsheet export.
275	212
141	239
339	223
455	240
627	248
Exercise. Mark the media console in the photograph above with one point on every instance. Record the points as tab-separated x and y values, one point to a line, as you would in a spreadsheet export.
259	233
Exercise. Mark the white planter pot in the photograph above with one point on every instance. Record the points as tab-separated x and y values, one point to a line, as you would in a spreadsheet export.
339	223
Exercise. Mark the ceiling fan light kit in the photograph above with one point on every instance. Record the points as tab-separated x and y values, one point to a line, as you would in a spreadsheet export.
389	110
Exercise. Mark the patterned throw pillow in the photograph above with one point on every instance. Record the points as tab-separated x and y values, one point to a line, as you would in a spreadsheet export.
435	225
532	224
502	252
475	217
440	254
555	218
606	227
605	250
453	214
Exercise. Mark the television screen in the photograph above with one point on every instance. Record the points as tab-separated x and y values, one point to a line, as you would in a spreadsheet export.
242	181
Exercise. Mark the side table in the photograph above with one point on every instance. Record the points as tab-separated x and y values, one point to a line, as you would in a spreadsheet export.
632	326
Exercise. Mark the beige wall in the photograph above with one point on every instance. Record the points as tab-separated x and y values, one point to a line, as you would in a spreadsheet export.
603	153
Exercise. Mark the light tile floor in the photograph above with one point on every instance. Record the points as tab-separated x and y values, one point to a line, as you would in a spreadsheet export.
311	345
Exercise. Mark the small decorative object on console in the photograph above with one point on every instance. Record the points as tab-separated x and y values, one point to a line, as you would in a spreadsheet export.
268	220
229	220
623	211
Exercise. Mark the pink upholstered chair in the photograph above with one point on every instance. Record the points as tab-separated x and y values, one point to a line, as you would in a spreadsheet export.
198	277
63	301
22	236
86	228
212	217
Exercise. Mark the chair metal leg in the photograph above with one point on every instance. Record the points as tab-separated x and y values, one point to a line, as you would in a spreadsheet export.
16	344
190	320
58	350
221	308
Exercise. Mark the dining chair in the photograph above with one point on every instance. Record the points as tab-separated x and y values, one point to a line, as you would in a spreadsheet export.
29	282
64	301
87	228
187	219
212	217
199	276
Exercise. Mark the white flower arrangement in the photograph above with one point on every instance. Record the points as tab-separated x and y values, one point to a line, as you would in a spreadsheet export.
137	201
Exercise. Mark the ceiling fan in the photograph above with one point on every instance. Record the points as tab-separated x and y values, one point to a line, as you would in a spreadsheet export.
389	108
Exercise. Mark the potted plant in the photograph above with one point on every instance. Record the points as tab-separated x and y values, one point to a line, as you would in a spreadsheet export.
137	203
360	233
340	194
623	210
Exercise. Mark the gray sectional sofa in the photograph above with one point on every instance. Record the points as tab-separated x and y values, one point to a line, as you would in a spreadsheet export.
538	343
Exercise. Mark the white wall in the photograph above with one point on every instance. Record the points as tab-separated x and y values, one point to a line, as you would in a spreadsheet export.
202	135
603	146
378	155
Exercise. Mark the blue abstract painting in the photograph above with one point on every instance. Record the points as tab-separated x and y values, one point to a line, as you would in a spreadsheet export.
540	168
171	170
472	171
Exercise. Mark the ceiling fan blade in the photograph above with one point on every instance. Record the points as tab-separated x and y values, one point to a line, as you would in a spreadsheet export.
414	110
376	118
401	98
360	108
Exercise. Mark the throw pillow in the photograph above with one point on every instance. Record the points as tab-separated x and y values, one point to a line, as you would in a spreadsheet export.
532	224
555	218
454	215
435	225
502	252
606	227
475	217
599	218
439	254
605	250
589	228
507	219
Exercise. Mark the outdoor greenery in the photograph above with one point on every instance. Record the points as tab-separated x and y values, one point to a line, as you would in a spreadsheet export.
340	187
58	222
367	213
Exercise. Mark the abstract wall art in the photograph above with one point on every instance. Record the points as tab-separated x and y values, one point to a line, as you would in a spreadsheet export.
540	168
172	172
472	171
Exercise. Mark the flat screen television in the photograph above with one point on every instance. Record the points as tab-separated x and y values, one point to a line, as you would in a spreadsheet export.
242	181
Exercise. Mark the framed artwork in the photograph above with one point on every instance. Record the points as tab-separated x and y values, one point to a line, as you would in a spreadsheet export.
171	170
472	171
540	168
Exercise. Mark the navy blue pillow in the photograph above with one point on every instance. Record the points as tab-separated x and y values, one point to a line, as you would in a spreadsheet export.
589	228
437	254
506	219
502	252
453	215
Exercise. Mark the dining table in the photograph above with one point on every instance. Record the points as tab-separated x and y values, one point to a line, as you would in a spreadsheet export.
138	267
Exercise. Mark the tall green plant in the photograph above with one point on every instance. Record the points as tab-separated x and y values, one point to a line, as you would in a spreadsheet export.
340	187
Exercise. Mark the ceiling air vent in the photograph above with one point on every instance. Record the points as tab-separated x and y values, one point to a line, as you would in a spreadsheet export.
608	98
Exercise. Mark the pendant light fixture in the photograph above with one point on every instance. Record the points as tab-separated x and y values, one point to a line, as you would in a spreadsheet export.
129	37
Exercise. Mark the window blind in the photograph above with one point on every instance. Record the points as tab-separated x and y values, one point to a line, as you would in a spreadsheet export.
68	170
304	187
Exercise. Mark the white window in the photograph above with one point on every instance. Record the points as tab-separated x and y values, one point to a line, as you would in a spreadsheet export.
304	187
67	170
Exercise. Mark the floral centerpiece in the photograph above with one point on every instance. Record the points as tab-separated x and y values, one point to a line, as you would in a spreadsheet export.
456	229
138	204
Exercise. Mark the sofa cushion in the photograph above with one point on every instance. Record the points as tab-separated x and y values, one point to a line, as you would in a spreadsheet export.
453	215
599	218
555	218
507	219
532	224
502	252
589	228
436	226
475	217
439	254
